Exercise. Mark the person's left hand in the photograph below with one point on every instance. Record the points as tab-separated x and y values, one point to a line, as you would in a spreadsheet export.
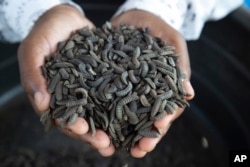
160	29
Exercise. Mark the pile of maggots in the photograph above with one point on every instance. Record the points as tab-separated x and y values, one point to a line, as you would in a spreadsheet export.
119	79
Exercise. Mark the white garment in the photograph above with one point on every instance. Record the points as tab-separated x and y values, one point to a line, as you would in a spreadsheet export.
186	16
17	17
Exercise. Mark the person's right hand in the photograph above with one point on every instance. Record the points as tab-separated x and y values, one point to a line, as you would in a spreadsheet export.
54	26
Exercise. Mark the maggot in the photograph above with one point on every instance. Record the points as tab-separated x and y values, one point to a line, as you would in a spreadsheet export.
53	83
52	103
122	102
149	133
141	123
118	129
149	39
58	112
156	106
124	77
75	72
69	111
125	91
171	61
72	102
58	91
143	110
144	101
62	65
117	69
160	115
171	83
135	139
90	44
132	117
148	56
82	91
104	117
144	68
163	65
64	73
150	82
102	67
132	77
47	121
120	53
69	45
127	48
166	95
45	115
165	53
72	119
70	54
147	125
95	83
92	126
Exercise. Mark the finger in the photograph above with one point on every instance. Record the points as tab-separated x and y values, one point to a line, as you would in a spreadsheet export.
30	63
79	131
147	144
108	151
184	64
80	127
99	141
181	48
174	38
168	119
69	133
41	42
137	152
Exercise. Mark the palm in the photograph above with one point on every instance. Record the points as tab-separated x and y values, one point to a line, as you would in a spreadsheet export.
160	29
54	26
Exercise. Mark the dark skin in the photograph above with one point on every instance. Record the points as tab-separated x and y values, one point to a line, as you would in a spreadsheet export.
51	28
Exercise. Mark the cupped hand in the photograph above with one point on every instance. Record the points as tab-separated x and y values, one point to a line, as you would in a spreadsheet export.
54	26
160	29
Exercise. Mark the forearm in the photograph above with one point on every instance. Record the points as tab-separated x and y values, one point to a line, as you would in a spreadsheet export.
17	18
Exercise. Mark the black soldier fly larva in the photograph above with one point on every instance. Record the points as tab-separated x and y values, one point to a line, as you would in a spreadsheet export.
119	79
46	120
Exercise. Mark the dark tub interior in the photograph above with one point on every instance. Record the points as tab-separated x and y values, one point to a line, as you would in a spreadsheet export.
219	114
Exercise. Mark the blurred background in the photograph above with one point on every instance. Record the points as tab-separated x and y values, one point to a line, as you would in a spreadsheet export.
247	3
217	121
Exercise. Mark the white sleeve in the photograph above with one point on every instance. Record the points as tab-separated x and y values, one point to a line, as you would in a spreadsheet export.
186	16
17	17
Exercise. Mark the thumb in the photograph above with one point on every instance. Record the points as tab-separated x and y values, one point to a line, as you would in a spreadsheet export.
31	60
184	63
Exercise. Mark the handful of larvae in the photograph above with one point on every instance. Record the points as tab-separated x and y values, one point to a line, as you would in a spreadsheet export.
119	79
